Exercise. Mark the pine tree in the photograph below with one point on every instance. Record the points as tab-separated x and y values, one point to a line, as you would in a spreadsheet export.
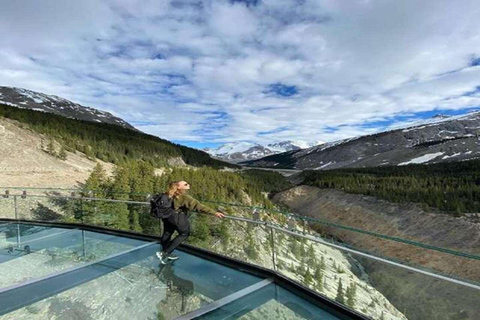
322	263
51	148
350	294
92	209
120	189
62	154
319	277
250	247
311	254
340	295
318	272
308	279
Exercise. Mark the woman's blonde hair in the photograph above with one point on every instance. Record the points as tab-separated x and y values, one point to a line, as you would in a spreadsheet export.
173	190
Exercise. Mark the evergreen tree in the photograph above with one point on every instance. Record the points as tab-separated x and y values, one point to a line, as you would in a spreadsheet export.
319	277
350	294
308	279
51	148
311	254
250	247
322	263
120	189
94	187
62	154
340	295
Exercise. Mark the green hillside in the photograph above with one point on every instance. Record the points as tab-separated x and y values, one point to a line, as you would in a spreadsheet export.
452	187
135	180
110	143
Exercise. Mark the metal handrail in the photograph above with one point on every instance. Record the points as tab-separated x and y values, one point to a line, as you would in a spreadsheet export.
290	216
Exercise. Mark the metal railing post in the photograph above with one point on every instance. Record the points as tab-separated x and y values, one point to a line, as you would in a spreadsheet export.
84	244
16	206
81	209
16	218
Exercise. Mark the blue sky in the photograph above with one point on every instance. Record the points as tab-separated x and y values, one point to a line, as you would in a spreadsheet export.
203	73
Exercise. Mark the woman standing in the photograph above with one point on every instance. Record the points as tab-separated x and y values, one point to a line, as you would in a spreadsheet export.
182	203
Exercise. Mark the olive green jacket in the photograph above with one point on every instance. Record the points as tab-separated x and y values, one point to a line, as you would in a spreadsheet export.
185	203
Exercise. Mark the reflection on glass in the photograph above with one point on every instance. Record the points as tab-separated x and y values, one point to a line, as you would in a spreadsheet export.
141	289
7	207
270	302
29	251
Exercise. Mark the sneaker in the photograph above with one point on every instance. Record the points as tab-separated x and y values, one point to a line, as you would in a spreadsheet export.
172	257
162	257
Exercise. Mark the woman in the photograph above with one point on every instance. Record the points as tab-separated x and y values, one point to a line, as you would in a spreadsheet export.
182	203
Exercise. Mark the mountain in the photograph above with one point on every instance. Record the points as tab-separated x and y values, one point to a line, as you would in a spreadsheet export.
240	151
108	142
27	99
438	139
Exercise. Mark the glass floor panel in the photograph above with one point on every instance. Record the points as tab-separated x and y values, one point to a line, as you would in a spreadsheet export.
28	251
137	289
59	273
271	302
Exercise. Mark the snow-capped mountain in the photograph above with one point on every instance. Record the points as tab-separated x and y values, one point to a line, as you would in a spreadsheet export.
438	139
242	151
27	99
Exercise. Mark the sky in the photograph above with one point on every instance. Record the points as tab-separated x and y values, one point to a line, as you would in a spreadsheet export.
203	73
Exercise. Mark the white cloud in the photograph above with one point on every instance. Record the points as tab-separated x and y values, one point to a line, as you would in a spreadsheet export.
200	70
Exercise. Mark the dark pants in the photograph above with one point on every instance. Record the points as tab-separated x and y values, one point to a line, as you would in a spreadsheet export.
176	222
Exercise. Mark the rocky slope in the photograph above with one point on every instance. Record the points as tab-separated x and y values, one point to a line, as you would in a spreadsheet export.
417	296
27	99
24	161
440	139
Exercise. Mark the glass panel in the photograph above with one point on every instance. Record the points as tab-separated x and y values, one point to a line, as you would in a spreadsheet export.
270	302
116	215
416	295
42	208
240	240
376	289
7	207
141	289
418	256
30	251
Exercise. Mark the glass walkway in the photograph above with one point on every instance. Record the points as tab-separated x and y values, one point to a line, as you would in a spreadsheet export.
65	255
64	272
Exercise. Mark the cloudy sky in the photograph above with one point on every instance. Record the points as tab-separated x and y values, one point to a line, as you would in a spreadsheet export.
207	72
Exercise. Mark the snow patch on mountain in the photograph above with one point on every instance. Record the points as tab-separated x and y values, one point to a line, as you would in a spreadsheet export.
422	159
242	151
27	99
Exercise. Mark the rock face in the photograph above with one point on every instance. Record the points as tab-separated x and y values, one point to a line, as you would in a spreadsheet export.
441	139
26	99
417	296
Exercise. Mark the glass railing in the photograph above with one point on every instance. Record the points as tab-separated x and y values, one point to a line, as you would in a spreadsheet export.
380	276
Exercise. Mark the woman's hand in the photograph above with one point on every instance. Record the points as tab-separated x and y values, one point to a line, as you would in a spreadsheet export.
218	214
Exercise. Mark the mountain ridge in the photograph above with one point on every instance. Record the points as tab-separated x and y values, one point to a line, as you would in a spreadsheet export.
240	151
438	139
32	100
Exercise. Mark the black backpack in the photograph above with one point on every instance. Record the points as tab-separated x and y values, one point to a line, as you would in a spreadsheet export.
161	206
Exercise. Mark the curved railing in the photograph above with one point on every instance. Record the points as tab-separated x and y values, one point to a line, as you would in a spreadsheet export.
288	243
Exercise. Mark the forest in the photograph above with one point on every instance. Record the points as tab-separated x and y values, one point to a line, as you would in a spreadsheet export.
136	181
452	187
107	142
